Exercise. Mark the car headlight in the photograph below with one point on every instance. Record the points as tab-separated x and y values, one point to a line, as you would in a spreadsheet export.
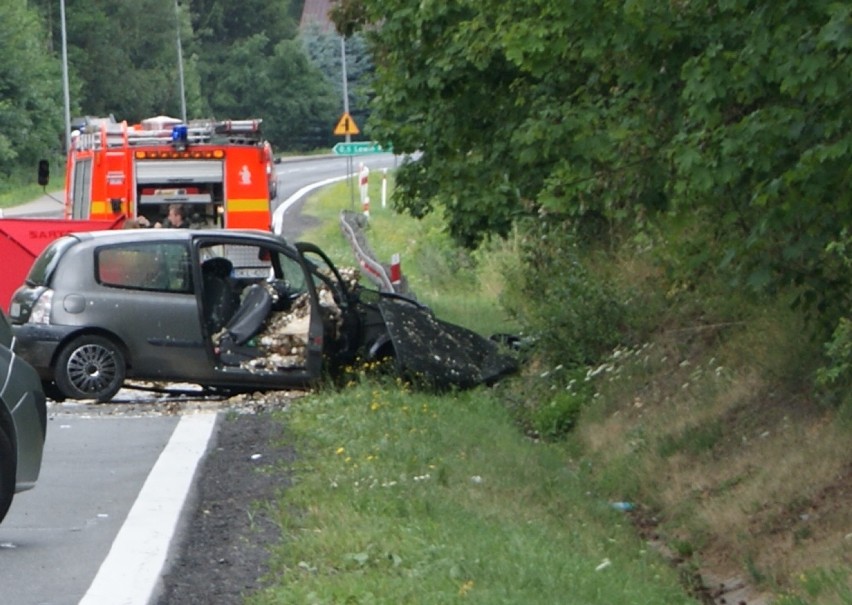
41	308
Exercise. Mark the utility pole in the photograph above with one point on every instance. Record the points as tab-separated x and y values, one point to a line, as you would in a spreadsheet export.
346	112
180	64
65	87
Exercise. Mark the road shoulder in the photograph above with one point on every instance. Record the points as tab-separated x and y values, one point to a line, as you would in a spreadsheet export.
232	529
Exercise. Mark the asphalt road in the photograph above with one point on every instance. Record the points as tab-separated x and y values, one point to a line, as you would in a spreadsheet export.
57	535
108	505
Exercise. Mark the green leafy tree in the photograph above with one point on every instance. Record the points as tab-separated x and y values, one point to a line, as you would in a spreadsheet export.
765	141
252	66
606	113
223	22
324	50
303	111
123	58
30	90
521	108
223	30
291	96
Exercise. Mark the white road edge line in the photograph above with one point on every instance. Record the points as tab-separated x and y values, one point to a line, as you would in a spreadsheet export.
132	569
278	215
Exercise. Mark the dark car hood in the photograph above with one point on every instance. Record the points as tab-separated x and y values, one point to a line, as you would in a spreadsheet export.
438	353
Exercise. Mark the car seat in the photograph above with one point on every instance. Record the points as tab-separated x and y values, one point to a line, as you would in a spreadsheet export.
218	297
244	324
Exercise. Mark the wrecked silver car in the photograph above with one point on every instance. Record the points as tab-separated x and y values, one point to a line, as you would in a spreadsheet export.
231	310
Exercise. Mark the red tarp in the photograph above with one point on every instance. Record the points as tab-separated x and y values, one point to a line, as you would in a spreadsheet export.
22	239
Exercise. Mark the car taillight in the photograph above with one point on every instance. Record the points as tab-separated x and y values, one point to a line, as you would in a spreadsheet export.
40	313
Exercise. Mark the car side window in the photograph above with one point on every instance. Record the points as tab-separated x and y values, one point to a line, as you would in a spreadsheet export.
159	266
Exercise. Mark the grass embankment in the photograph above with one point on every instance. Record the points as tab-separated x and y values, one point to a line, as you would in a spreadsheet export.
404	497
21	187
714	425
21	195
744	475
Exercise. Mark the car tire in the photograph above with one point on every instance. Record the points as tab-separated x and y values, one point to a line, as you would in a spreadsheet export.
7	473
90	367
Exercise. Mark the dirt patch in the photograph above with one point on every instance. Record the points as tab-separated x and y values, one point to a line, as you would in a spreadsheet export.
232	529
708	585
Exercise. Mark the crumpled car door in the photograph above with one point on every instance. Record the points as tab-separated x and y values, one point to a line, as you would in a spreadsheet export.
437	353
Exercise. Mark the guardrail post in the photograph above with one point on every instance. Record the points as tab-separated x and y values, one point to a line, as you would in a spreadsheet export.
395	272
363	181
384	187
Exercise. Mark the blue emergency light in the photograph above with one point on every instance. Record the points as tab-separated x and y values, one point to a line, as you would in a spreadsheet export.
180	134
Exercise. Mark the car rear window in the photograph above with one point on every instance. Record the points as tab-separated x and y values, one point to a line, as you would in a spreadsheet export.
46	262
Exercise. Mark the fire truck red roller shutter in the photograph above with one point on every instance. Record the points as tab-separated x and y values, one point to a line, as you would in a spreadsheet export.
181	171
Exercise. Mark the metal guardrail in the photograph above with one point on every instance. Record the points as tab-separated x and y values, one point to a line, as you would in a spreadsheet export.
352	224
373	269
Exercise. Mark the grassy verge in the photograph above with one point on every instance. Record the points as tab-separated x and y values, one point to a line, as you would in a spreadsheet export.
705	416
411	498
404	497
20	186
705	419
20	195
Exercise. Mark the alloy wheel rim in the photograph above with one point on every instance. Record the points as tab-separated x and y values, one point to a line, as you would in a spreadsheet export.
91	368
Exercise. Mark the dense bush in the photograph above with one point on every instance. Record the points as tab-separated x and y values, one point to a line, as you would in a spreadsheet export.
555	418
572	313
836	376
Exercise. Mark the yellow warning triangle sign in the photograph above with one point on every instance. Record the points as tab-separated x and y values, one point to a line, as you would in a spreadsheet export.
346	125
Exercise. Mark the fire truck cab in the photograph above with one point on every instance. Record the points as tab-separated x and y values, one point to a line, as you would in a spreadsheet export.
222	171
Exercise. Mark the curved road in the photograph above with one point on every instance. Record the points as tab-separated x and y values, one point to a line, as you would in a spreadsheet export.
298	177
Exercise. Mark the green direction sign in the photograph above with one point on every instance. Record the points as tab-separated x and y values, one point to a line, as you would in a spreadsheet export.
358	148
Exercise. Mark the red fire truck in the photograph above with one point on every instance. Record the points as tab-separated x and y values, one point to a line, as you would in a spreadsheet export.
221	170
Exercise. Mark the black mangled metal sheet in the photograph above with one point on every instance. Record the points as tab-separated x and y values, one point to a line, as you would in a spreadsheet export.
439	353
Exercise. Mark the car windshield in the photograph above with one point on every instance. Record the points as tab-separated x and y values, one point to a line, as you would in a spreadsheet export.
46	262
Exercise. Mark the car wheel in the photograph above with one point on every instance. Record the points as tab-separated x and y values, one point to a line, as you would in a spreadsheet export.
90	367
7	473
